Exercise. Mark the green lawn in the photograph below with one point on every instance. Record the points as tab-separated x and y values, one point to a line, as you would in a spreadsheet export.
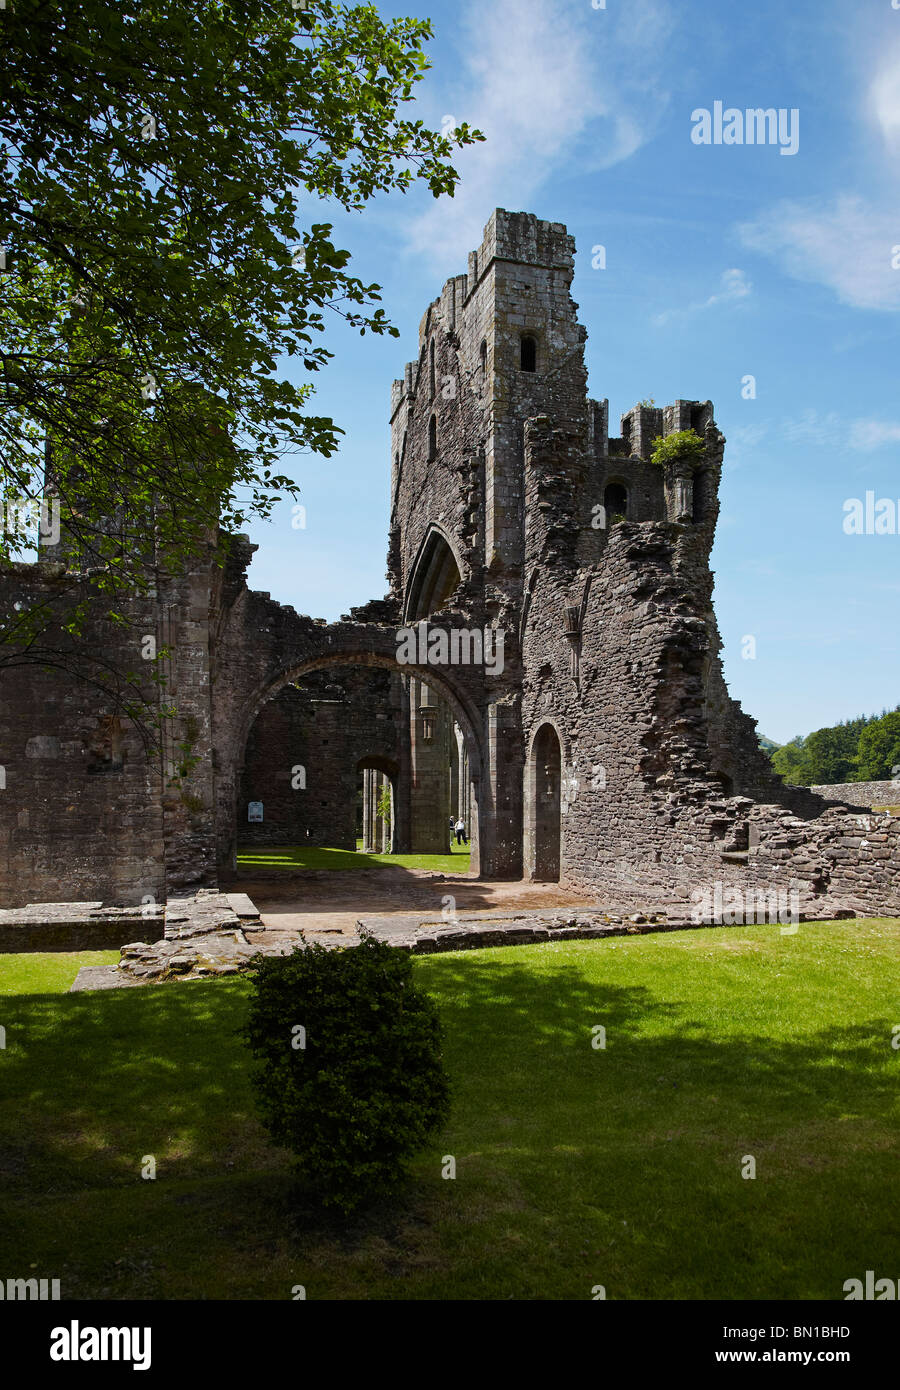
301	857
50	972
574	1166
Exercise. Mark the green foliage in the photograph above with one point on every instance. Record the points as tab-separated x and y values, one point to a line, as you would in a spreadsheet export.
682	446
368	1089
383	809
878	752
788	760
159	170
866	749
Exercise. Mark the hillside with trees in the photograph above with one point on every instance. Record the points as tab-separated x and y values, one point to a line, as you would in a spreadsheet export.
866	749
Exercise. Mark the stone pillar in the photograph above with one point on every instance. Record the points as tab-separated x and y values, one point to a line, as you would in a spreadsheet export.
401	799
430	786
369	810
455	788
501	789
465	788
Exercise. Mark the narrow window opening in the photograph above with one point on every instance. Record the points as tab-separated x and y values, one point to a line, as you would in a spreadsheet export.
528	358
701	496
432	437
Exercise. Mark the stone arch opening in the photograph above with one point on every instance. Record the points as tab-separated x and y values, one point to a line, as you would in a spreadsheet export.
435	577
543	805
528	353
615	502
457	712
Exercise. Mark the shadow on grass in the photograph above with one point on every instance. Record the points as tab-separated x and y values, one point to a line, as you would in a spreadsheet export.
162	1067
656	1121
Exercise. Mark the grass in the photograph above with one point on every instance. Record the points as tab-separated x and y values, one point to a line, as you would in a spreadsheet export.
303	857
574	1166
49	972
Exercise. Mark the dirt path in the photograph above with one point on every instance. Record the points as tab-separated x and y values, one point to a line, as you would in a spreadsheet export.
330	903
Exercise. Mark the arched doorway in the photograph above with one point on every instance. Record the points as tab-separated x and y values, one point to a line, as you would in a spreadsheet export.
400	769
543	820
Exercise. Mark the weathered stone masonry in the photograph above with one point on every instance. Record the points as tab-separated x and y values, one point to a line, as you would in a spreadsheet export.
606	751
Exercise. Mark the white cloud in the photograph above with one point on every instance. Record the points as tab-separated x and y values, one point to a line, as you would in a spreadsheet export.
549	84
733	286
884	99
847	245
847	242
866	435
811	427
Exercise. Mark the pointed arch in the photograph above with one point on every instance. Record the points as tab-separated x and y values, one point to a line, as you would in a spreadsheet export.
544	772
435	575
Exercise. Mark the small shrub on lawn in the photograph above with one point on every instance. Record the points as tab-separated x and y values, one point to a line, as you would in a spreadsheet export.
351	1078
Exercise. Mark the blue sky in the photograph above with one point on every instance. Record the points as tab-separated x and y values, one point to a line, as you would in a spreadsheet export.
722	262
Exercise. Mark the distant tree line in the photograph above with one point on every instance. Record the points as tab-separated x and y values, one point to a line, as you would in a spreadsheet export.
866	749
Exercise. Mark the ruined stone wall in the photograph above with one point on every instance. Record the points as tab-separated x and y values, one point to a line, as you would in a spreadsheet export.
862	794
98	806
645	805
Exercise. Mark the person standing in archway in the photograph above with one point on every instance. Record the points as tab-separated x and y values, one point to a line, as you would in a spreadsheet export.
461	832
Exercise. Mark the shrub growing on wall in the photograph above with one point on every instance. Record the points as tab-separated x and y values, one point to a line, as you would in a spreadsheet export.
350	1077
684	445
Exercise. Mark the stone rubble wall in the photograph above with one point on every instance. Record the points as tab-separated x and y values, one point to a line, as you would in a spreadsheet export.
864	795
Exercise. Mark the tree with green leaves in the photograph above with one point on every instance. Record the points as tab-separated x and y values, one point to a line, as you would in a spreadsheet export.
879	749
864	749
788	761
163	256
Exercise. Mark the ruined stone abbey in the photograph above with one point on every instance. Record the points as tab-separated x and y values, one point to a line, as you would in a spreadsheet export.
545	663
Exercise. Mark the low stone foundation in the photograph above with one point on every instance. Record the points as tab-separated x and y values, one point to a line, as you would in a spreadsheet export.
862	795
213	934
76	926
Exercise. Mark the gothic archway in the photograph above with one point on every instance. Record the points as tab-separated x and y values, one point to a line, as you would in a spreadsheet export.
543	812
459	710
436	574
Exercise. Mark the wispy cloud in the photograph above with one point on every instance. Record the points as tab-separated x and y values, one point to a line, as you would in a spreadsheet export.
543	80
827	430
884	98
733	286
866	435
848	243
812	427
